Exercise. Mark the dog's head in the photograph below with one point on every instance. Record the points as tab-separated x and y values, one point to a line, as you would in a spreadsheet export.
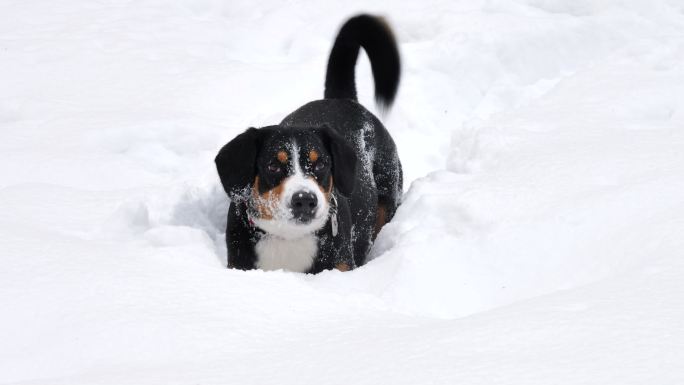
286	175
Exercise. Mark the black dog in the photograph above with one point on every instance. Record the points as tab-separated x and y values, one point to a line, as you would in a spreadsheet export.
312	193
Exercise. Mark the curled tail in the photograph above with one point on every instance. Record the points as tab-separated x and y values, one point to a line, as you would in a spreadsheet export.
376	38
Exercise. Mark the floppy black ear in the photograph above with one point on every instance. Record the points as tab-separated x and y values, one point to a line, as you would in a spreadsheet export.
236	163
344	161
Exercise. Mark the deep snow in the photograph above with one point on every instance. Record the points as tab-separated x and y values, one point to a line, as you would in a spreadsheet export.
539	241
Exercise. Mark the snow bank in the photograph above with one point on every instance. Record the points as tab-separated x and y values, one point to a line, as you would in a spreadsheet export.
539	240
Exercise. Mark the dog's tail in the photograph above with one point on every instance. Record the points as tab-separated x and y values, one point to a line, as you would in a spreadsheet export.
376	38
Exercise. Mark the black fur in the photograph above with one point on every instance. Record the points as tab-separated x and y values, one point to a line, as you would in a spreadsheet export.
236	162
376	38
344	160
357	150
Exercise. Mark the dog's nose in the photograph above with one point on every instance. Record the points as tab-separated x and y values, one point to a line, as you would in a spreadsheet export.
303	205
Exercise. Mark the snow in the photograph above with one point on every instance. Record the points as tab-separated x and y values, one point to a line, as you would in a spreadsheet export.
539	240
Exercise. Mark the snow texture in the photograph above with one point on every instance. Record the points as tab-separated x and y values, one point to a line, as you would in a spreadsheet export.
539	242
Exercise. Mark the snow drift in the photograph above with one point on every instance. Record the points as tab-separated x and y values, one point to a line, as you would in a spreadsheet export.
539	240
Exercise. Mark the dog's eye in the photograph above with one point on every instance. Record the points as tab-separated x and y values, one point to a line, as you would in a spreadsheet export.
319	166
274	168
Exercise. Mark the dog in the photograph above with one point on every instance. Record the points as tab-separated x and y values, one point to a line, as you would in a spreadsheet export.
312	193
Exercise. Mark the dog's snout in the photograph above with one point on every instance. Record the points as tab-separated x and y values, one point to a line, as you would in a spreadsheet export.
303	205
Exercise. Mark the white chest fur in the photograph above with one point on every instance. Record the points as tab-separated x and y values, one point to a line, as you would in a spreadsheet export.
275	253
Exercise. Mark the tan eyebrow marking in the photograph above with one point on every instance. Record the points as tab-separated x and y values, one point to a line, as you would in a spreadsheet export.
282	157
313	155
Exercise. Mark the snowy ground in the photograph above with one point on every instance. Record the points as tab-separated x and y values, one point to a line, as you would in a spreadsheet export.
540	241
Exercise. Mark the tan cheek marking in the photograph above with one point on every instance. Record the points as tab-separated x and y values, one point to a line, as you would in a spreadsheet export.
313	155
325	193
282	157
265	203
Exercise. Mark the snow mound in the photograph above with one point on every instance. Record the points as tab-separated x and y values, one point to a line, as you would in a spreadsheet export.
539	240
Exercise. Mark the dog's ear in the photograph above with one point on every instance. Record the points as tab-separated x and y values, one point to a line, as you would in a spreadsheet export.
236	163
344	161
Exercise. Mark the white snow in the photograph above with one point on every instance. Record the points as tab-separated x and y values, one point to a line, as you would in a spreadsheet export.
539	242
